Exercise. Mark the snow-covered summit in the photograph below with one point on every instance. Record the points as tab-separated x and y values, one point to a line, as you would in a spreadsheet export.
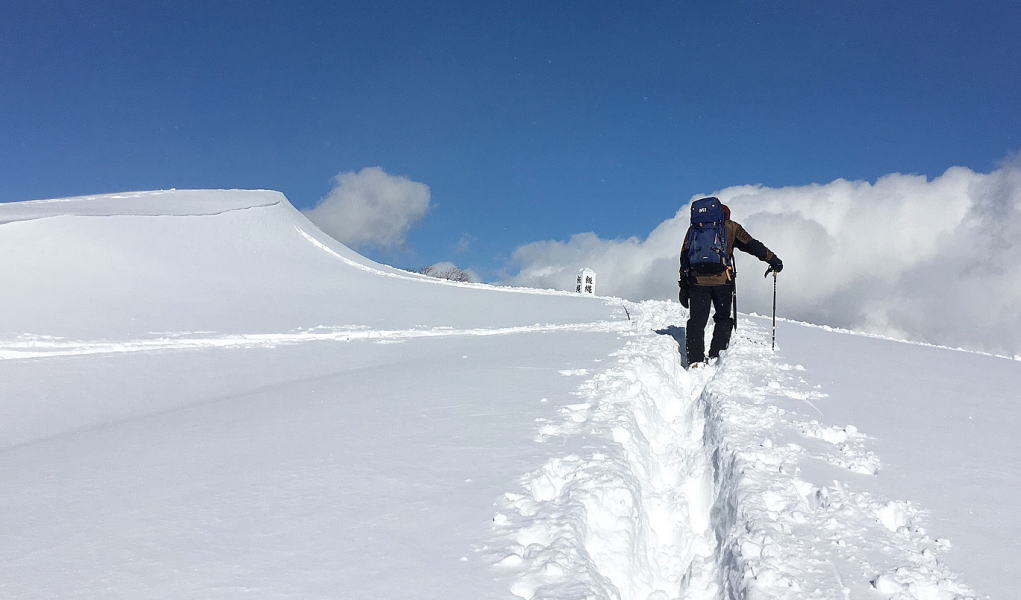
181	203
126	265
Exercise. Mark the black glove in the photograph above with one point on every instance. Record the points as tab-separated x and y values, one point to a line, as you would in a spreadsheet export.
776	265
682	295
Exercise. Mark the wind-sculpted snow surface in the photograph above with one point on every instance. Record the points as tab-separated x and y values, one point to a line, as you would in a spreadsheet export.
698	485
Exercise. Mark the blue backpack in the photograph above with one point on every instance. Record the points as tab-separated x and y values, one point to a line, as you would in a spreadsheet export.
707	238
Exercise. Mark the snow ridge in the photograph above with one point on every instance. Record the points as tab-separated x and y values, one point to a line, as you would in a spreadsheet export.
418	277
177	203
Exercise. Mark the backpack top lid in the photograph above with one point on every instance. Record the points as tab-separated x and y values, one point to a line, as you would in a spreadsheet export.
707	210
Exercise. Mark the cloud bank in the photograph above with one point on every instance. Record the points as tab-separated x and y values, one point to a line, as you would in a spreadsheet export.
371	208
932	260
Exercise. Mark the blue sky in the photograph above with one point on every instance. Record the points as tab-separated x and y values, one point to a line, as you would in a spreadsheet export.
527	120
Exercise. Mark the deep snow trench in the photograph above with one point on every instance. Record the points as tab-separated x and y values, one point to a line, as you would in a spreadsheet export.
670	484
629	519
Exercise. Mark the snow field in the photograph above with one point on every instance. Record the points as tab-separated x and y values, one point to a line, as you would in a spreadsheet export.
699	485
326	470
205	396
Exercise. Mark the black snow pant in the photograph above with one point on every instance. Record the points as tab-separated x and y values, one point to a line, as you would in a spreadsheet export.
700	297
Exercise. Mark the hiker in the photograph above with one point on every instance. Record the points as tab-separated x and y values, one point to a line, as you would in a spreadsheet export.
707	274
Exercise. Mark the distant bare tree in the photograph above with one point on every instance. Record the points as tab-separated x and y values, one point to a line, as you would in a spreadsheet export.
445	270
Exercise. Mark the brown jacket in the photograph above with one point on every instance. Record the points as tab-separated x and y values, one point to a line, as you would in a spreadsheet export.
738	238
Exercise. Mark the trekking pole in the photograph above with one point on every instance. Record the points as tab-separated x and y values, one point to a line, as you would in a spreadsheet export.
733	294
772	344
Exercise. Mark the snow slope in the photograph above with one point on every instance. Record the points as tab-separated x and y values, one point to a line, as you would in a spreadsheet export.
131	266
944	422
203	396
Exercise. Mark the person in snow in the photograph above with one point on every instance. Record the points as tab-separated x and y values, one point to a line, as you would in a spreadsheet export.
701	290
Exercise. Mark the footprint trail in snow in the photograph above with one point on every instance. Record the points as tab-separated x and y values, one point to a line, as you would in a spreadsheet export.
669	484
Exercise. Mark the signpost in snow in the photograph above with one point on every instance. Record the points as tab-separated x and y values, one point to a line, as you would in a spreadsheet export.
586	283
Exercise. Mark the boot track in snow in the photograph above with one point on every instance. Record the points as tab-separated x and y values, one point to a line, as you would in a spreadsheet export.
674	484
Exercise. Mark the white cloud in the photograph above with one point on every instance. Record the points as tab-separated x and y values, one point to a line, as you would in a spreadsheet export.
464	242
371	208
936	260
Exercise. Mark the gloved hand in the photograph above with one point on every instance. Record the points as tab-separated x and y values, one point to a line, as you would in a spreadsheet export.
776	265
682	295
